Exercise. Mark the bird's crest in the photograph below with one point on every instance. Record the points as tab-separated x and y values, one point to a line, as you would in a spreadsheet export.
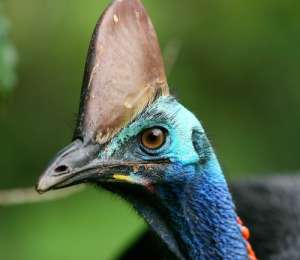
124	71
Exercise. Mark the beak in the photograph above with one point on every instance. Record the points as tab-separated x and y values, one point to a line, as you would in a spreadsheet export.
70	166
79	163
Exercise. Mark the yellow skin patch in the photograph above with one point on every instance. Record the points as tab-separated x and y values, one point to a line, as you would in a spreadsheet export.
120	177
131	179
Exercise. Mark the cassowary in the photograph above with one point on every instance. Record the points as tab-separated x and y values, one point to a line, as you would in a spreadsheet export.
136	140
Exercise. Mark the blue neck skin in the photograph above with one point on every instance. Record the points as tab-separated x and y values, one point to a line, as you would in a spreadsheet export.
190	208
202	215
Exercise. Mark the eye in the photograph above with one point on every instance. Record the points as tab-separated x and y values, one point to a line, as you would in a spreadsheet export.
153	138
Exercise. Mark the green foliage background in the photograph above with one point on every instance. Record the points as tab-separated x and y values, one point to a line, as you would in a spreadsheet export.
238	70
7	58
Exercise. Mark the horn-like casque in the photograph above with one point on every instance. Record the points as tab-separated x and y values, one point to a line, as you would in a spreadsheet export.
124	71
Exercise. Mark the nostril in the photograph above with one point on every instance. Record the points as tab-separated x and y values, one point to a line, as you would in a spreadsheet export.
61	168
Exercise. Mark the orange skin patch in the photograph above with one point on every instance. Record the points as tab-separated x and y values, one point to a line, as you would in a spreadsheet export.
246	235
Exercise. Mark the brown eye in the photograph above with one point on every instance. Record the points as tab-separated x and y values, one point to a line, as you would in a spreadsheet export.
153	138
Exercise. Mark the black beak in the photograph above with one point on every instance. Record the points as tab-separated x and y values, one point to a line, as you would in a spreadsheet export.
70	166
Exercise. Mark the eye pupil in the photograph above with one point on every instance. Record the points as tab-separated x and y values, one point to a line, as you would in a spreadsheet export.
154	135
153	138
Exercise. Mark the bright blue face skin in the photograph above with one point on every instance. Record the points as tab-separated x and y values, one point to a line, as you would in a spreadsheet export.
189	204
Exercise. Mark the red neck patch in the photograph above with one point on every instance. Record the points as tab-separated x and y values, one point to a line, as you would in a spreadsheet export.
246	235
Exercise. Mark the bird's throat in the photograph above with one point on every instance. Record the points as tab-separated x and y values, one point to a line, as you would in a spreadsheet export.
198	220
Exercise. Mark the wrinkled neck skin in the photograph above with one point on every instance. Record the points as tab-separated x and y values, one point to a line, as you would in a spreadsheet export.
197	220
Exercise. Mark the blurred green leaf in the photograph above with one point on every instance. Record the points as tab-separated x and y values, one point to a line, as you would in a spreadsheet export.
8	58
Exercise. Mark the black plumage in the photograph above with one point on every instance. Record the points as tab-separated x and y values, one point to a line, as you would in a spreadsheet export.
270	207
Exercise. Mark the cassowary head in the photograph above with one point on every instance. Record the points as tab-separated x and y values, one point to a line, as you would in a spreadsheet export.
135	139
131	133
